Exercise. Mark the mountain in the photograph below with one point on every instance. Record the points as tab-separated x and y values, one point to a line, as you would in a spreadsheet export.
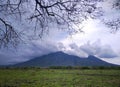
63	59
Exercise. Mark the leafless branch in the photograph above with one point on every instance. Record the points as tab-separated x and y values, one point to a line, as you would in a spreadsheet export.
67	14
113	24
7	34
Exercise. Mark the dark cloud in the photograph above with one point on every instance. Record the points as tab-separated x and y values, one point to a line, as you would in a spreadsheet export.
37	48
88	48
26	52
107	52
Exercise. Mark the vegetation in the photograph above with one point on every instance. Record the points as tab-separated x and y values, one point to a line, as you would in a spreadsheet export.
85	67
46	77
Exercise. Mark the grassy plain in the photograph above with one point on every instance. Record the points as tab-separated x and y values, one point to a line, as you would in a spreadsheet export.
59	78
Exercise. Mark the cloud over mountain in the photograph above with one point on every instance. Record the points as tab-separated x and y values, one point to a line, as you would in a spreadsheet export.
96	48
26	51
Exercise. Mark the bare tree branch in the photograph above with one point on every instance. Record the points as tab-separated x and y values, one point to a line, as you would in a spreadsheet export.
8	34
113	24
42	14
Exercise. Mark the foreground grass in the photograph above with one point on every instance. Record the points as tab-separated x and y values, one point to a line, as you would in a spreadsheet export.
59	78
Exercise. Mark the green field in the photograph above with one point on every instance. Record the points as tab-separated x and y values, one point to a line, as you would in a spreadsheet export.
59	78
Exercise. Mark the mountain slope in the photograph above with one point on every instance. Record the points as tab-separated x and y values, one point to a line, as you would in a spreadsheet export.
62	59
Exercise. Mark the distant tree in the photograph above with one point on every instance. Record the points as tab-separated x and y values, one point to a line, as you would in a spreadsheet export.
17	16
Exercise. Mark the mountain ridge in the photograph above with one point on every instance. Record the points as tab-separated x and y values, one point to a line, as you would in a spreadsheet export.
62	59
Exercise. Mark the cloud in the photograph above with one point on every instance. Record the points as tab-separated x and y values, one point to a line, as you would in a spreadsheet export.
88	49
37	48
61	46
74	46
81	45
91	48
26	52
96	48
74	50
107	52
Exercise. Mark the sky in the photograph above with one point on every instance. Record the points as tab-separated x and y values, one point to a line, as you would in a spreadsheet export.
96	40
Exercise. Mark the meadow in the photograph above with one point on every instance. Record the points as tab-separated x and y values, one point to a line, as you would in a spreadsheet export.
37	77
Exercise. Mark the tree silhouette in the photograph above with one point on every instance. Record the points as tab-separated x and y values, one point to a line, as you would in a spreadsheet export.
41	15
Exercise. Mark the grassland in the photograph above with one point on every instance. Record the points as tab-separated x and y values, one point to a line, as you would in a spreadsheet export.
59	78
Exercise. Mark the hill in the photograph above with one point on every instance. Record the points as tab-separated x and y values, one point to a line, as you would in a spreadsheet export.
63	59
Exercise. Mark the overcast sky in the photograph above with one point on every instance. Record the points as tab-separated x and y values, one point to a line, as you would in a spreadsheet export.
96	40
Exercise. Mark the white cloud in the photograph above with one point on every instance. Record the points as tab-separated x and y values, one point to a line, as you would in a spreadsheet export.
76	51
96	48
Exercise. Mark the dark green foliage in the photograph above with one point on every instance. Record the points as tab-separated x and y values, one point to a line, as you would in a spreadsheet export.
86	67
